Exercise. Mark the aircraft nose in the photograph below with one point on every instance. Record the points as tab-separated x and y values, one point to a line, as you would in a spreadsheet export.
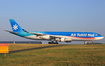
99	38
102	37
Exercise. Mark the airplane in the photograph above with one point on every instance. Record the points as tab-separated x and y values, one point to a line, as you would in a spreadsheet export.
54	37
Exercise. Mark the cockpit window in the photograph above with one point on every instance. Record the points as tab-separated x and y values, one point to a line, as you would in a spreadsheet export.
99	35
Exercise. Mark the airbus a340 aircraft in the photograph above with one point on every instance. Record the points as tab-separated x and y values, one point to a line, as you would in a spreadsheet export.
54	37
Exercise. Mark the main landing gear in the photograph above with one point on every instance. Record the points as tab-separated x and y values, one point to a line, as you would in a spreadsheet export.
86	42
53	42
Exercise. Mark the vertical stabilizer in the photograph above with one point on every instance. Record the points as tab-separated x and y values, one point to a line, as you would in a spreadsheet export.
15	26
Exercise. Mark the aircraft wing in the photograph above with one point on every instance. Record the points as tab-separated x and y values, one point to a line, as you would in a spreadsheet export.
38	34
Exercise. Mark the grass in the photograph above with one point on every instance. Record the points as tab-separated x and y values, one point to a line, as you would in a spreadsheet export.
68	55
13	47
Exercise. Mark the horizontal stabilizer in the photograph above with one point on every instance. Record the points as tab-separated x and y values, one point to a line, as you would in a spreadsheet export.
11	32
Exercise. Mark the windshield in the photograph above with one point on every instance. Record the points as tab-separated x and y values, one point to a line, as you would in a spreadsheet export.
99	35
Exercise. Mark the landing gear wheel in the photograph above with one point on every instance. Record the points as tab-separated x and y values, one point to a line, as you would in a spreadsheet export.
53	42
49	42
56	42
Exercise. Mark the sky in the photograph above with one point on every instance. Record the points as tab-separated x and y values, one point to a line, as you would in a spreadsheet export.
52	15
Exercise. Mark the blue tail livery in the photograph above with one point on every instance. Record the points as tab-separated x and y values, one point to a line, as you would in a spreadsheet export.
15	26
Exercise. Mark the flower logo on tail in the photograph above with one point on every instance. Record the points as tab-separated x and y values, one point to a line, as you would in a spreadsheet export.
15	27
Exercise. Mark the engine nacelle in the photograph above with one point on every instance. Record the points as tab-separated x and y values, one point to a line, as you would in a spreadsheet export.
45	37
63	39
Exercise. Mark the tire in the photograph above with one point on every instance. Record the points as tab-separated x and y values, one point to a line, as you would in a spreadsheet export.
49	42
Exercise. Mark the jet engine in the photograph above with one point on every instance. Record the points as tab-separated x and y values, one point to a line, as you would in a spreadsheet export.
45	37
63	39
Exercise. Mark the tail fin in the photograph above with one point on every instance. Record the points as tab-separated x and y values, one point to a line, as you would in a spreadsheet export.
15	26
